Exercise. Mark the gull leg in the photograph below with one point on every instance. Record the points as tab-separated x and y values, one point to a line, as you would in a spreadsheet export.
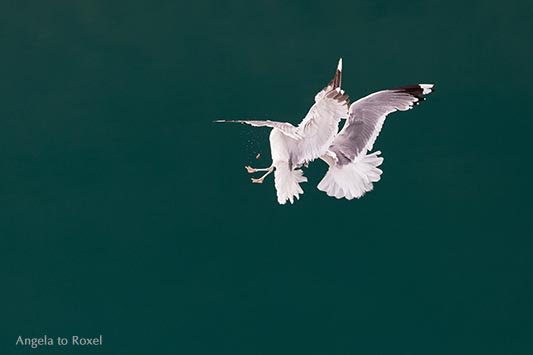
251	170
260	180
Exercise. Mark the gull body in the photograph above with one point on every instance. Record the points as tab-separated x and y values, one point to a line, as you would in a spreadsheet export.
279	149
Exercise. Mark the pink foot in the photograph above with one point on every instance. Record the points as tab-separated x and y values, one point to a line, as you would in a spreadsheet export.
249	169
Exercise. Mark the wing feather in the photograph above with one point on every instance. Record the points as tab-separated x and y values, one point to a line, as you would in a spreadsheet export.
313	136
367	115
319	127
285	127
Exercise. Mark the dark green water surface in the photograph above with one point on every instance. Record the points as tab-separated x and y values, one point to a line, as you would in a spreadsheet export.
126	212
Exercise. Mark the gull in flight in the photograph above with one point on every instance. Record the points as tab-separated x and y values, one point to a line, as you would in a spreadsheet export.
352	169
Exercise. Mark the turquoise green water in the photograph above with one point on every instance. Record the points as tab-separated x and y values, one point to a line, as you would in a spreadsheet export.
126	212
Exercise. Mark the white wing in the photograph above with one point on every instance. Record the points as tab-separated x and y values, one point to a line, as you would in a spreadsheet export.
367	115
313	136
285	127
321	124
318	128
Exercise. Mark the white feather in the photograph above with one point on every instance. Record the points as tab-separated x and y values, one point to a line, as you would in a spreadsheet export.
352	180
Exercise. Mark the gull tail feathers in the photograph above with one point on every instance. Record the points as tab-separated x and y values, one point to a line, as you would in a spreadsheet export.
287	183
354	179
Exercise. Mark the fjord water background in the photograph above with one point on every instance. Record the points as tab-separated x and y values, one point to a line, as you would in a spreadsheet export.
126	212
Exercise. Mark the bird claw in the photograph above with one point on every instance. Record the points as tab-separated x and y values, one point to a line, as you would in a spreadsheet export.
249	169
257	181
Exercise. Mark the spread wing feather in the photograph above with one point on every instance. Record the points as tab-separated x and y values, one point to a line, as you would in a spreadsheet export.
313	136
285	127
366	118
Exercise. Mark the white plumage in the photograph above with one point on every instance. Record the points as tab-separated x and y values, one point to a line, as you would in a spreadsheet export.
352	171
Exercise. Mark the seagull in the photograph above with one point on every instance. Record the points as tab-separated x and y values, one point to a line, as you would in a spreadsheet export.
352	169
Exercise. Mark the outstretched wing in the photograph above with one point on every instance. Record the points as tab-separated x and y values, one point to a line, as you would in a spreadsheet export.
367	115
312	137
319	127
285	127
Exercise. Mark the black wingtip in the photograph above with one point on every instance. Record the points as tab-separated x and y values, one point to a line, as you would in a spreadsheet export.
416	90
337	79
